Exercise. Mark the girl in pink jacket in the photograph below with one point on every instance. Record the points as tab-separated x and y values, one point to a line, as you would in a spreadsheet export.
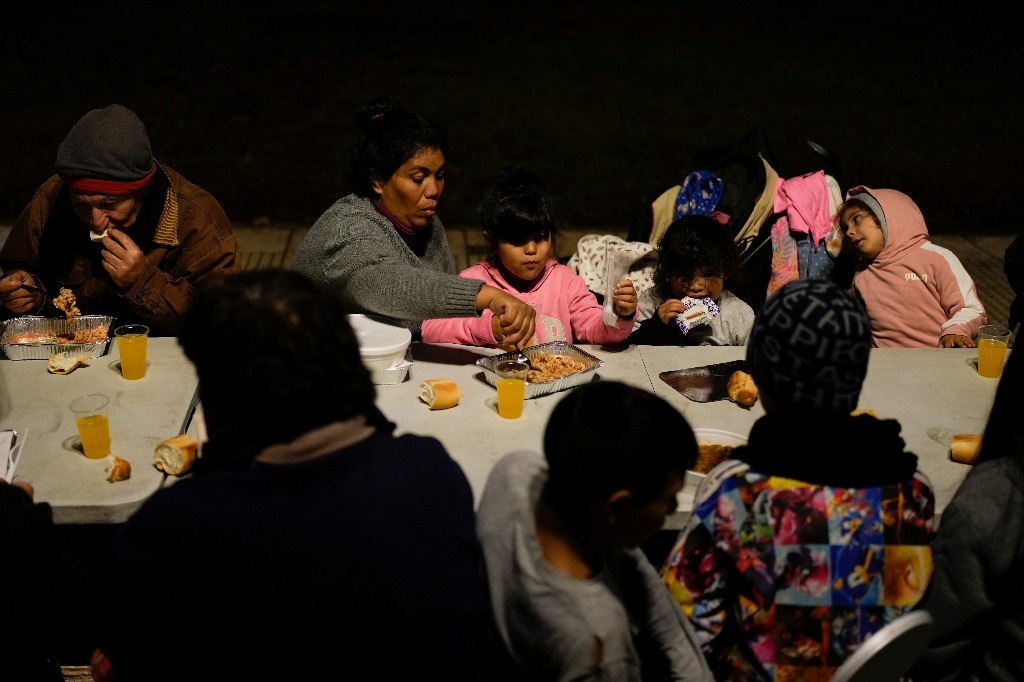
519	230
917	294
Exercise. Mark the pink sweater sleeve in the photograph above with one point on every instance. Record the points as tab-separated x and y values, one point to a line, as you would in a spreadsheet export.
958	296
471	331
587	316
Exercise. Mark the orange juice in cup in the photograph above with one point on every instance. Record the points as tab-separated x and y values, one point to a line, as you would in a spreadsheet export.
990	357
92	423
131	346
510	380
95	434
992	342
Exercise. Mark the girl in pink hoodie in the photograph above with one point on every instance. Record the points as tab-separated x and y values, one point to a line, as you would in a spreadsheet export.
519	230
917	294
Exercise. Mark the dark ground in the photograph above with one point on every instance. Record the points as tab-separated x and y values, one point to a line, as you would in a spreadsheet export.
609	103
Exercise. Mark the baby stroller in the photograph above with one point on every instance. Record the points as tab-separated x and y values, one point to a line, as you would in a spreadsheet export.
782	226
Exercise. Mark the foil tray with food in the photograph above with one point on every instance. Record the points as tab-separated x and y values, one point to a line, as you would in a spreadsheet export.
714	447
39	338
554	367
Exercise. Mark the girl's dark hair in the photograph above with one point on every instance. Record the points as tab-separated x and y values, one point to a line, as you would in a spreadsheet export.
586	463
517	208
276	357
852	202
694	243
392	134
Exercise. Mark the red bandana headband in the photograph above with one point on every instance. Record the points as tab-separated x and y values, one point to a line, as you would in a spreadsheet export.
110	187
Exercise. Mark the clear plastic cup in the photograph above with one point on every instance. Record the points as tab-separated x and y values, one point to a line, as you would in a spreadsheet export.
992	342
93	425
511	384
132	340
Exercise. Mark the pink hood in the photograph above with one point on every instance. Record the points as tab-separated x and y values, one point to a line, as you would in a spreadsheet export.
903	219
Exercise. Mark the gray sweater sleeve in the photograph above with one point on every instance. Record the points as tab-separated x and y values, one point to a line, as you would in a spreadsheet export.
974	594
355	252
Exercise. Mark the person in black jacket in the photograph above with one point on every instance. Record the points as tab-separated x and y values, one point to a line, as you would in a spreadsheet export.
1013	266
48	609
975	594
310	539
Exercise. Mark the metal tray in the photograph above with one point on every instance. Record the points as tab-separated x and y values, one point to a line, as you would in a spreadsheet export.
545	387
704	384
52	326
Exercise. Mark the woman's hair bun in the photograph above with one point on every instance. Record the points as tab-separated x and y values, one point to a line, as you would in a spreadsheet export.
374	112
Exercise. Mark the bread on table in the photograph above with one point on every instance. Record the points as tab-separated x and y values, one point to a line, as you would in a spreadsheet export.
440	394
120	470
742	389
861	411
965	448
62	363
176	455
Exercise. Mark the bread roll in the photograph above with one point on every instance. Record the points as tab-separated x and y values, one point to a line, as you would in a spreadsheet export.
863	411
120	470
440	394
62	363
176	455
97	237
965	448
742	389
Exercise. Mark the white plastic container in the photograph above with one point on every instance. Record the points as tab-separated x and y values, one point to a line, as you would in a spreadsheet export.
383	347
687	496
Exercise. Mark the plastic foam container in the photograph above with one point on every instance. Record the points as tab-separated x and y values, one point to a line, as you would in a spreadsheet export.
383	347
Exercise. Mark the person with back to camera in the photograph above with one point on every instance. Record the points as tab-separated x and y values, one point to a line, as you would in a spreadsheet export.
574	598
917	294
129	236
309	539
383	249
689	304
49	614
975	595
816	533
1013	268
520	231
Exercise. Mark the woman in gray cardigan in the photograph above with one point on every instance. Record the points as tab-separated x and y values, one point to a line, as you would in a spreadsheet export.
976	594
383	249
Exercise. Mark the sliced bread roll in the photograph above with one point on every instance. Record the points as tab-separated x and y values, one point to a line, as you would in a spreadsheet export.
120	470
176	455
440	394
742	389
965	448
861	411
62	363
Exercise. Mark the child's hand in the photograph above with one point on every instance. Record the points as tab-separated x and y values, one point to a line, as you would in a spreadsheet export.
496	328
956	341
624	298
669	309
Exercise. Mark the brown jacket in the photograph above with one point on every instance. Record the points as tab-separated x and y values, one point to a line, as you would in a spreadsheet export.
181	229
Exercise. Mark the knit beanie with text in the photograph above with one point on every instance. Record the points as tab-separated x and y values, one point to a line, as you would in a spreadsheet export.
809	347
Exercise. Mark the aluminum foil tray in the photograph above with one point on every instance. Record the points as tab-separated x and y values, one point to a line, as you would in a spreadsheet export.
16	328
554	348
